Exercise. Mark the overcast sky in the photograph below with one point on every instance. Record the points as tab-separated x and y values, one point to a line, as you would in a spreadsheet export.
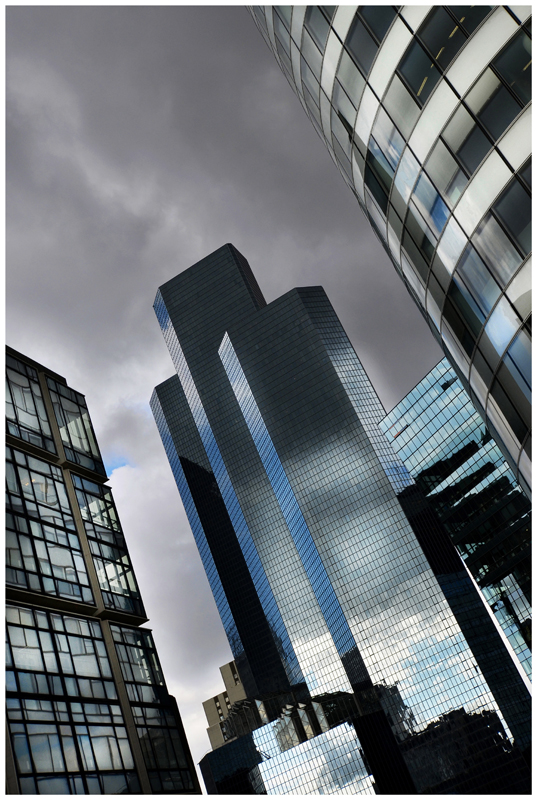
140	139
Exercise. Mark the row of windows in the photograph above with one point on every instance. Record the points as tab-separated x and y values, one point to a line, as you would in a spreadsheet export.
44	552
75	426
26	415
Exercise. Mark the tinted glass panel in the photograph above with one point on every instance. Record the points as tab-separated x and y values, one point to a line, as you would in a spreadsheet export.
493	104
442	36
496	249
478	279
469	17
466	139
379	19
419	71
317	25
514	210
361	45
514	65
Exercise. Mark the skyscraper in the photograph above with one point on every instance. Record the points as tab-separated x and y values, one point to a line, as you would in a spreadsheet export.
442	441
87	706
351	618
426	112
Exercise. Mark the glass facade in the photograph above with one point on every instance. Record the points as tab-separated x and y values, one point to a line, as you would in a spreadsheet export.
426	112
73	608
355	628
449	452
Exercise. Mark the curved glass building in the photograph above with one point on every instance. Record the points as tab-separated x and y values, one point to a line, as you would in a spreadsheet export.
426	112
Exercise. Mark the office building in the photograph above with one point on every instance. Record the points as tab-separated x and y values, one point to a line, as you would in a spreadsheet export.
443	442
88	711
425	110
365	649
217	709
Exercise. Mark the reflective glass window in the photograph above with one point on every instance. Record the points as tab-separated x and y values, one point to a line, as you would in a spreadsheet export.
514	65
375	169
75	427
309	81
107	543
514	210
469	17
478	279
446	173
388	138
406	175
350	78
513	418
421	232
153	710
496	249
46	559
502	325
442	36
419	72
518	358
37	490
26	415
379	19
57	655
492	103
470	311
285	13
361	45
461	331
525	173
431	205
401	106
312	55
466	139
317	25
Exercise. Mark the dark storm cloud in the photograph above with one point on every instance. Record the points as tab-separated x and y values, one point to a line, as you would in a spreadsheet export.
139	140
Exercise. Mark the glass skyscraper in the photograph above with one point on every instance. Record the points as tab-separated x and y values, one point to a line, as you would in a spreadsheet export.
369	658
425	110
88	711
442	441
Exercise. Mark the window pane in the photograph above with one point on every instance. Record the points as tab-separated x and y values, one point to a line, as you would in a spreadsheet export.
502	325
46	751
445	173
388	138
315	22
442	36
478	279
379	19
492	104
525	173
350	77
361	45
419	71
430	204
496	249
466	139
514	210
470	16
401	106
519	354
514	65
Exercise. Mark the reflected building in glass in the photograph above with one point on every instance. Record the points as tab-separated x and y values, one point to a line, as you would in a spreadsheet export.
425	110
369	660
88	711
443	442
